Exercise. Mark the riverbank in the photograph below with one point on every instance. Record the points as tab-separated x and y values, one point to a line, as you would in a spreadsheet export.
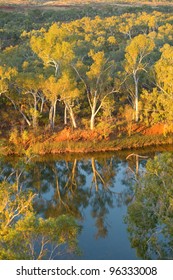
123	143
52	146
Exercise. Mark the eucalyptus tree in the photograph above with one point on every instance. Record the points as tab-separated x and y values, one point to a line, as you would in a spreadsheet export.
8	76
53	47
28	86
127	24
24	235
150	215
157	103
136	53
69	93
62	89
97	80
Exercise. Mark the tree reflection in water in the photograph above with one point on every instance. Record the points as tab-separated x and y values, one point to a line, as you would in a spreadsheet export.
72	187
101	195
82	183
67	187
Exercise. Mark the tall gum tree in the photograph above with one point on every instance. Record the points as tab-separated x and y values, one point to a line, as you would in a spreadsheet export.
164	87
61	89
7	76
28	87
53	47
164	70
127	24
51	91
136	54
98	82
69	93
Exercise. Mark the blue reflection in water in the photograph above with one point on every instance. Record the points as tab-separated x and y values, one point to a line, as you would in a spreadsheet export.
116	244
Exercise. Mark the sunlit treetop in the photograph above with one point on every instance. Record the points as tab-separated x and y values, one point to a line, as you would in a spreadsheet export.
138	48
164	69
6	75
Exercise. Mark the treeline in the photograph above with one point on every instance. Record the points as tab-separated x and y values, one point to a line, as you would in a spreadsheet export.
104	73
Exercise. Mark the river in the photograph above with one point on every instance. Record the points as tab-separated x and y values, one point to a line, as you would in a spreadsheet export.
95	189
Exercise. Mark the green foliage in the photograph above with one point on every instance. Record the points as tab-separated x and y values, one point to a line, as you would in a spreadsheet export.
21	241
151	213
26	236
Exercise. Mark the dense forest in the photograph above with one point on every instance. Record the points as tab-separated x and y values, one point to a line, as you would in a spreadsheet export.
72	72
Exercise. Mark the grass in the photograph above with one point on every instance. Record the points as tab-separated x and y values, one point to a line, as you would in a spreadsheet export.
70	146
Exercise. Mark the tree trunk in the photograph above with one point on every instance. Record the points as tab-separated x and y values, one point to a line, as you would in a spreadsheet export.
92	121
18	109
93	111
34	117
25	118
54	114
70	109
72	117
51	116
94	179
65	115
42	104
136	98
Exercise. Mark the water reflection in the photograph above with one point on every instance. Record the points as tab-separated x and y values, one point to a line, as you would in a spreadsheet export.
97	193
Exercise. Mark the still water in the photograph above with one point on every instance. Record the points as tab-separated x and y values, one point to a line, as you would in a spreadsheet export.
95	189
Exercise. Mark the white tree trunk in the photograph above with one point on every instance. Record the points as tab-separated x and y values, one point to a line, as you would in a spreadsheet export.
51	116
92	121
65	115
136	98
34	117
54	114
93	113
70	109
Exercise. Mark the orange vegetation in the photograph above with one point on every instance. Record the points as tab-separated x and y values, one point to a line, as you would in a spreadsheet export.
156	129
68	134
76	135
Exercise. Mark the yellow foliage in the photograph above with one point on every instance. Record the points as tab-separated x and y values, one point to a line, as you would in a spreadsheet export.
25	136
53	46
164	69
112	40
6	74
98	63
139	47
14	137
65	87
25	65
